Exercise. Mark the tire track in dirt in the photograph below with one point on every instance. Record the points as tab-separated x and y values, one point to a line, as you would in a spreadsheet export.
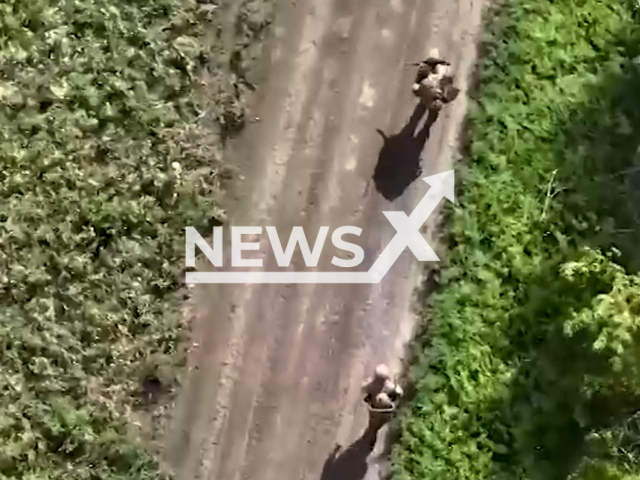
315	22
251	391
312	325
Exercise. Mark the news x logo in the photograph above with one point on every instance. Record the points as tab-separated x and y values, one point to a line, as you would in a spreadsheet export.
407	235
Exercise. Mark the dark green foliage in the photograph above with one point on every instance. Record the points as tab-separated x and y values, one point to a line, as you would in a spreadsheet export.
105	158
531	367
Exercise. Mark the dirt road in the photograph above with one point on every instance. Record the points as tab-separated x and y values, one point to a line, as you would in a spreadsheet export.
275	377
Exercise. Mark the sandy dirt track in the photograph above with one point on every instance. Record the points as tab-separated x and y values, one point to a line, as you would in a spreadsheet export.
274	380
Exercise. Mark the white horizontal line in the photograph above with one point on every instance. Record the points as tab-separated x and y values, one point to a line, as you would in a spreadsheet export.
281	277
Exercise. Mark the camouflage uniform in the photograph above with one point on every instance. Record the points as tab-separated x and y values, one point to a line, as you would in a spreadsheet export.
381	382
429	66
381	396
434	83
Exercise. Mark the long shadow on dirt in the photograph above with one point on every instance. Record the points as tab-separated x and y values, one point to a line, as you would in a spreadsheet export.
350	464
399	159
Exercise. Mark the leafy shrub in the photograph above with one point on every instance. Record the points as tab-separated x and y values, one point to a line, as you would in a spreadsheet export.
108	149
529	368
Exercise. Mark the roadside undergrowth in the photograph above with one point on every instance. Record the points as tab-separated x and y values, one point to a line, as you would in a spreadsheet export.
113	117
529	368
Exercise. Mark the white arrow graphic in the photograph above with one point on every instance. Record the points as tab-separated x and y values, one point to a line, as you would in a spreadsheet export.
408	228
407	235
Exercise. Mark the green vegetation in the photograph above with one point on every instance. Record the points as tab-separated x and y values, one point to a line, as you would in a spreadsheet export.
530	365
109	146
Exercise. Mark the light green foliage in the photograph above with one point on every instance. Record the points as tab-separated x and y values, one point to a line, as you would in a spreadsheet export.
530	365
106	155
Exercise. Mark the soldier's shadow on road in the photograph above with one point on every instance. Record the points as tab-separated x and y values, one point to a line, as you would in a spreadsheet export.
399	159
349	464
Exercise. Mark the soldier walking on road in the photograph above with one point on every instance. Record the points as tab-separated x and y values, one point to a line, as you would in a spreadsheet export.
381	396
434	83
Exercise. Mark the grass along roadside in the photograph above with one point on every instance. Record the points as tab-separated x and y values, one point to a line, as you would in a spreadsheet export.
110	144
529	368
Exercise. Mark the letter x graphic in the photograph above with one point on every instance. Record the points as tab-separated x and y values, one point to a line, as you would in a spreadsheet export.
408	232
408	227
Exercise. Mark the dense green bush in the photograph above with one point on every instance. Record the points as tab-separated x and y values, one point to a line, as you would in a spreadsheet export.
530	366
108	150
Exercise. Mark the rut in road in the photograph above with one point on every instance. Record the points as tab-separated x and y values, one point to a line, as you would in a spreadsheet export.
274	382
